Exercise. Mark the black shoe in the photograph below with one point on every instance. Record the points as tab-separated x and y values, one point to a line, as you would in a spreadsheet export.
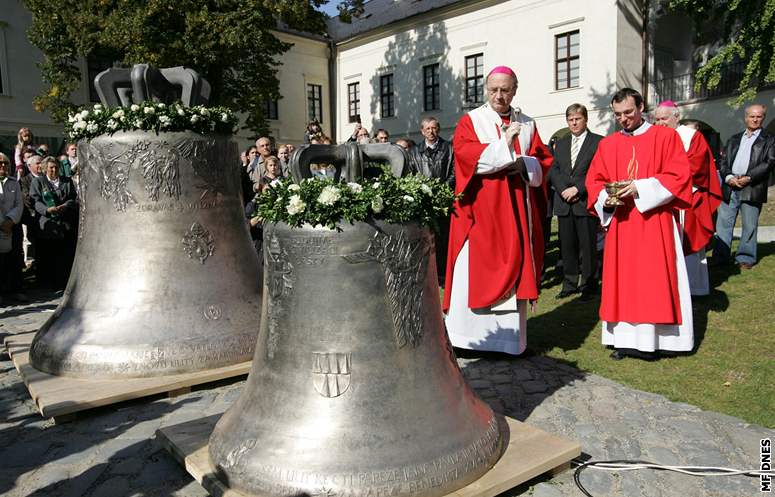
669	354
565	293
617	355
716	262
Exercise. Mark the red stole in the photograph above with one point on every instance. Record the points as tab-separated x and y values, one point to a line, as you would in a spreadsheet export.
640	281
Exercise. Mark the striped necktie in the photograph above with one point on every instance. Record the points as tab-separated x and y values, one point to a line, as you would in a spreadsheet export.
574	151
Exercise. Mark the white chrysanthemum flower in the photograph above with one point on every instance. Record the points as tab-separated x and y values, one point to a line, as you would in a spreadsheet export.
355	187
164	121
377	204
72	118
204	112
181	112
118	114
224	117
375	185
161	105
426	189
112	124
149	110
84	114
134	107
295	205
79	125
138	123
329	195
408	198
194	119
294	188
97	106
92	127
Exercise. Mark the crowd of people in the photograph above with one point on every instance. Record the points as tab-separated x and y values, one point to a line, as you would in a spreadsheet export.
636	212
650	191
39	209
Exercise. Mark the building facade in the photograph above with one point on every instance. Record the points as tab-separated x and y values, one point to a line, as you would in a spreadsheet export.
403	60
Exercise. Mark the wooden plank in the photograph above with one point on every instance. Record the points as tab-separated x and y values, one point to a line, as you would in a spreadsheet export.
188	443
57	396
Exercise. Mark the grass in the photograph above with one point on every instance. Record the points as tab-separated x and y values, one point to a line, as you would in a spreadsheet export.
733	368
767	216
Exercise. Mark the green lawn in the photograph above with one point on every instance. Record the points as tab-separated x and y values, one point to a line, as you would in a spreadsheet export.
733	369
767	216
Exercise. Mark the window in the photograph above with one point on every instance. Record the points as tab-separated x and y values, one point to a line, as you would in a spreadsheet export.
354	102
431	87
386	97
4	89
270	109
315	102
475	79
94	66
566	57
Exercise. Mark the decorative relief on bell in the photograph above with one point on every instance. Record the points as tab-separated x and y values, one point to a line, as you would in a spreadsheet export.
203	155
159	163
213	312
233	457
404	262
331	373
161	170
198	243
279	273
114	173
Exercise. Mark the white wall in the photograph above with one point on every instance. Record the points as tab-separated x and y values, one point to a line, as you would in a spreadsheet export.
724	118
306	62
19	58
517	33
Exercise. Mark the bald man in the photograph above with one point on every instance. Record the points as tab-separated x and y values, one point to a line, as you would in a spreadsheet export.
697	221
745	167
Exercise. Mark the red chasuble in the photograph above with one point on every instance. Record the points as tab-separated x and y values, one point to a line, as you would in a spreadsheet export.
698	221
640	282
494	217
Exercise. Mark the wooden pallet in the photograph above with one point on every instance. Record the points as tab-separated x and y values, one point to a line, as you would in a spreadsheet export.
60	397
530	453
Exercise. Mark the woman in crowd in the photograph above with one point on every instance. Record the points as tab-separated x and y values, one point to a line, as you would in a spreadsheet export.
24	140
56	203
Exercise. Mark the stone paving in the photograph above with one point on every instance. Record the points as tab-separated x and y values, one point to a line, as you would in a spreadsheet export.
112	452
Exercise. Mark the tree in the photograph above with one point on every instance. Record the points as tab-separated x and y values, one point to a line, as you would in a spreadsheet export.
228	42
745	29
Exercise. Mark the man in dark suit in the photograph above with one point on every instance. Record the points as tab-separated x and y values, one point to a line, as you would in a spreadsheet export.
577	227
433	158
745	167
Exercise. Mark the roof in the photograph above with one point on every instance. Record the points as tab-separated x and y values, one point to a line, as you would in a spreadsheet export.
378	13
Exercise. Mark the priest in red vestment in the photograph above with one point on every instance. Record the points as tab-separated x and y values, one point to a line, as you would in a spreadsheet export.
496	250
645	304
698	227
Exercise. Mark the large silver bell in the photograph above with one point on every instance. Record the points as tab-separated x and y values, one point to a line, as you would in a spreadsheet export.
354	389
165	279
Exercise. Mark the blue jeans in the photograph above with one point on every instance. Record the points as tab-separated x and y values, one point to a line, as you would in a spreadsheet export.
725	223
